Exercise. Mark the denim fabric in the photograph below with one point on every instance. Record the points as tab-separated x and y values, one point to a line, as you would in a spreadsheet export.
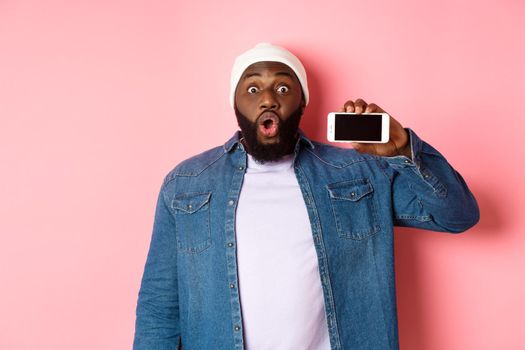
189	293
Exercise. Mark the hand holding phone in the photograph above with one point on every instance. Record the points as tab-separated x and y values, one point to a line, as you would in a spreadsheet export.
396	143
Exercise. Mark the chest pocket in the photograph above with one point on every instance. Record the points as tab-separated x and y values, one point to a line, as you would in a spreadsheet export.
353	207
192	221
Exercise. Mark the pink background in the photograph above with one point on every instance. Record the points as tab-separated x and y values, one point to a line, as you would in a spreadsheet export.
100	99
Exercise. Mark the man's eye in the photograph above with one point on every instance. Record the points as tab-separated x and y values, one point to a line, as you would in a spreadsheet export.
283	89
252	90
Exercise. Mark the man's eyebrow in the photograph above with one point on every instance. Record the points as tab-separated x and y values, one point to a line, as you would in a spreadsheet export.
257	74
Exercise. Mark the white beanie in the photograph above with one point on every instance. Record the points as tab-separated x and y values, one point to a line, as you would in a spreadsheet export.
266	52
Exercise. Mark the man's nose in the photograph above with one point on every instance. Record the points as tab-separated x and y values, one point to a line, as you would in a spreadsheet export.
268	100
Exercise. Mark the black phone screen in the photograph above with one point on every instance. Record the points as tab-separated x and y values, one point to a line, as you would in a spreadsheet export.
364	127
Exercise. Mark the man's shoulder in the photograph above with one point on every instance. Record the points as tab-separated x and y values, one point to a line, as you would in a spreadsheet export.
195	165
337	156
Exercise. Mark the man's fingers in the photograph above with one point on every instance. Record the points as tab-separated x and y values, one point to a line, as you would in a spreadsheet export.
360	106
373	108
349	106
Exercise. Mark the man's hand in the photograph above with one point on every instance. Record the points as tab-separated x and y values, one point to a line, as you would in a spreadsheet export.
399	139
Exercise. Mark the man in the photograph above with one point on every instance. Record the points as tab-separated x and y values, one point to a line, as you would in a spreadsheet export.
273	241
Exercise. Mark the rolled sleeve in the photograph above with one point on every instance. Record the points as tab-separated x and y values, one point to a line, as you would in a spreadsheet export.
428	192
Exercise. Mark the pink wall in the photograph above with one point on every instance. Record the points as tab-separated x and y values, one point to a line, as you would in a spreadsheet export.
100	99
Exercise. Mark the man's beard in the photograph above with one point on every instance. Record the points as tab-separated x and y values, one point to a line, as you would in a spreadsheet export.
272	151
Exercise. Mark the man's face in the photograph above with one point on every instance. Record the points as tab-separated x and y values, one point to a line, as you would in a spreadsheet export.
268	105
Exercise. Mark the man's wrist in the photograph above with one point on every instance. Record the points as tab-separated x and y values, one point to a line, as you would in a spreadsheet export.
406	150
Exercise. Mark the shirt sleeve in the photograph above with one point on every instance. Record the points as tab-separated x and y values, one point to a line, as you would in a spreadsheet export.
427	192
157	312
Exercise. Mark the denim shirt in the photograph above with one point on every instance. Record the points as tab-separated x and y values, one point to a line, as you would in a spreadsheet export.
189	291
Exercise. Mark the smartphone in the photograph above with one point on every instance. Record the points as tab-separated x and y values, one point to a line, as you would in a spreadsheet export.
364	127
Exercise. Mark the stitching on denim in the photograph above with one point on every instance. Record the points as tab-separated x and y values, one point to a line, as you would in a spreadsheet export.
379	160
424	218
189	195
177	171
356	235
203	245
439	189
352	184
333	165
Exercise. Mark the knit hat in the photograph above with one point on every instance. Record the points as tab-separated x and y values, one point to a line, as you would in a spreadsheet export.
266	52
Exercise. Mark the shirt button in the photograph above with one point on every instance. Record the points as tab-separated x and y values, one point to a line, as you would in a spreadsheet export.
352	194
241	168
237	328
190	206
407	161
231	201
426	176
230	244
232	285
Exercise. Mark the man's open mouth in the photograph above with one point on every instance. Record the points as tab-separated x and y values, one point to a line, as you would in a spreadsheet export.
268	124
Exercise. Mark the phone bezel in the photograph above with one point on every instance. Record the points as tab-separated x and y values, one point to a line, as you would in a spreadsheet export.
385	127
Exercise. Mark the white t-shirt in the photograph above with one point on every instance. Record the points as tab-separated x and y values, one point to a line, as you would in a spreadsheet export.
279	283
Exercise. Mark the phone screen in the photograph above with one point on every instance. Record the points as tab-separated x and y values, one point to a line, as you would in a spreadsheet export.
358	128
